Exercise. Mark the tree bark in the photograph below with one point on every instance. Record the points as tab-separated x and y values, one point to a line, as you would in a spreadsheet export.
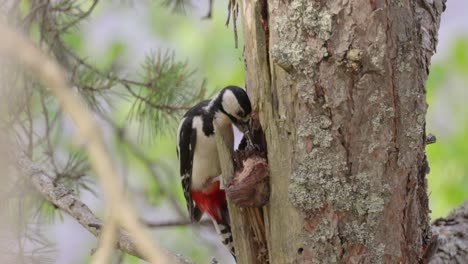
339	87
450	241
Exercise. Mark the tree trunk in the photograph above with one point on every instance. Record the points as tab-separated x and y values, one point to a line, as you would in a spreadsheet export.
339	88
450	241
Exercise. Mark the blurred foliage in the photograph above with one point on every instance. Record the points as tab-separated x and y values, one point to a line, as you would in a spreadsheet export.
448	119
206	44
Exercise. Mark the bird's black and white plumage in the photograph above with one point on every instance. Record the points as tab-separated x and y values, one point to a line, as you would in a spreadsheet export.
198	156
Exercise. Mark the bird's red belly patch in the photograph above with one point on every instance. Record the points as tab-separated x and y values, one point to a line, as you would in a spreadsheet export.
210	200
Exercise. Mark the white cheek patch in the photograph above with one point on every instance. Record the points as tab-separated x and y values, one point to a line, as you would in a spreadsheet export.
230	103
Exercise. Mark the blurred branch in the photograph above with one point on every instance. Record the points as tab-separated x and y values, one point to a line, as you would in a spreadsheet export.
176	223
233	8
147	162
106	240
79	18
65	199
163	91
177	6
52	76
210	10
109	75
150	84
157	106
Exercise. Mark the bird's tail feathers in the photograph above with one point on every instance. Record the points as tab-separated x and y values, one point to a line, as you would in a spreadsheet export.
223	228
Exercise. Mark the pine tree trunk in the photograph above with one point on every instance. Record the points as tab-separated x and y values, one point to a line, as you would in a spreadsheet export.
340	90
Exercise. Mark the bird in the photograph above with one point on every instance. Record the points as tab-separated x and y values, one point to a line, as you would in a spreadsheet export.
200	168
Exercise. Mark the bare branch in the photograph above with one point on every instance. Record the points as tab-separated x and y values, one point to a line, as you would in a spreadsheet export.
65	199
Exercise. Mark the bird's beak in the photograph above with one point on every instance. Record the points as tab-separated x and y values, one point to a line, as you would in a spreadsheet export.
244	127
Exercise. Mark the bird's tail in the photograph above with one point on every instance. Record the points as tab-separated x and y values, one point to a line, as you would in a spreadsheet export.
223	228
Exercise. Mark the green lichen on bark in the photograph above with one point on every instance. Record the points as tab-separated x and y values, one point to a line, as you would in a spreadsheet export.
315	182
321	175
298	25
317	177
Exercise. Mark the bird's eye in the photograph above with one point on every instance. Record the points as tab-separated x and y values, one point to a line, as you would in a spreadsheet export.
240	114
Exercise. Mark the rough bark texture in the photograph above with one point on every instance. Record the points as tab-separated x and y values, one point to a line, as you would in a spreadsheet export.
450	238
339	86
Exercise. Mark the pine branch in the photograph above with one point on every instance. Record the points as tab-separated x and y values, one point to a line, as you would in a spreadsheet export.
169	108
165	87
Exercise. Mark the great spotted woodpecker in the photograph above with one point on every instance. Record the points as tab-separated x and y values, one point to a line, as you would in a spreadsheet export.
198	155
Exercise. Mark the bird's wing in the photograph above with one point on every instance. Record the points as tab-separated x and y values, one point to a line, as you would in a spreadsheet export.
186	147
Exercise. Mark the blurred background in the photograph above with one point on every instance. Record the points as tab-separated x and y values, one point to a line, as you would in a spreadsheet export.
118	35
447	117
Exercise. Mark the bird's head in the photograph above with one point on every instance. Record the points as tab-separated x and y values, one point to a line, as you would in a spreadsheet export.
234	102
